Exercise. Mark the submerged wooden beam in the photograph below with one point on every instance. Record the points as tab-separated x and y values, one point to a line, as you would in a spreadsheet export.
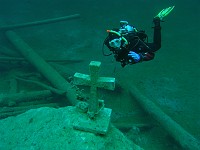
46	21
8	59
13	111
185	139
42	66
13	99
47	87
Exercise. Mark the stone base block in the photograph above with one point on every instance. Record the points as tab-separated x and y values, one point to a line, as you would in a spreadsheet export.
98	125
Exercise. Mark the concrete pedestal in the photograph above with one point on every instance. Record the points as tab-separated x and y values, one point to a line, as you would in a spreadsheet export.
98	125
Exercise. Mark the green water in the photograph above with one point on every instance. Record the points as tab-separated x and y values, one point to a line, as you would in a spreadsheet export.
171	80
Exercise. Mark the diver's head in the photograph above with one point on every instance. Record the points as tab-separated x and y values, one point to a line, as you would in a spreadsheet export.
115	43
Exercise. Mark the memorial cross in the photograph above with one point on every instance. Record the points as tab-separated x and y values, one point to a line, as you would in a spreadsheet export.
94	81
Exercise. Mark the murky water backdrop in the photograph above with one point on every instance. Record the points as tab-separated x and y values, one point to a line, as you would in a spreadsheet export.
171	80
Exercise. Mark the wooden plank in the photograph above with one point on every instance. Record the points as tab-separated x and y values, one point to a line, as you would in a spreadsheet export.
185	139
42	66
13	99
46	21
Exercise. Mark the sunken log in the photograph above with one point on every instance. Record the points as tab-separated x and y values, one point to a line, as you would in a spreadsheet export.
13	99
46	21
8	52
18	59
43	67
185	139
47	87
13	111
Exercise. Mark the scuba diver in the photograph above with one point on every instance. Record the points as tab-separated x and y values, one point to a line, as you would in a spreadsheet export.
131	46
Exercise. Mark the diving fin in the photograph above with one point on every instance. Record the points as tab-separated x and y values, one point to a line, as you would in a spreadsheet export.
164	12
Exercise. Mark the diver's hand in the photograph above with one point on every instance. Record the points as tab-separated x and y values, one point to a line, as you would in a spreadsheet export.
156	21
134	56
164	12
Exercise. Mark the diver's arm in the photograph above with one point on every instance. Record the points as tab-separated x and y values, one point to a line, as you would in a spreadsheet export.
156	44
157	34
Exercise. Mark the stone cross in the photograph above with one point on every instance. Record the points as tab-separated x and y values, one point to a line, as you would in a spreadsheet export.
94	81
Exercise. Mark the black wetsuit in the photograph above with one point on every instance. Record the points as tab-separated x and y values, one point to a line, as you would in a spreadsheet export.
137	44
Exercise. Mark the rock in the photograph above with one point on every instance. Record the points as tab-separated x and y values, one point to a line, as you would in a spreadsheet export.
52	128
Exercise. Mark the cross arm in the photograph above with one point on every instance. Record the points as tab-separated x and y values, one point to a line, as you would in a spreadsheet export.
106	83
81	79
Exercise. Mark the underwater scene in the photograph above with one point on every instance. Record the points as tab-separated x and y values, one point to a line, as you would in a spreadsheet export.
99	75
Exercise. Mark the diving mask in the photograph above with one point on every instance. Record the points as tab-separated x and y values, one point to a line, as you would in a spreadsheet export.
115	43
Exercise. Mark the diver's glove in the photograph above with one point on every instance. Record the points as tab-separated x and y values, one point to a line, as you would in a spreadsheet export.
134	56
